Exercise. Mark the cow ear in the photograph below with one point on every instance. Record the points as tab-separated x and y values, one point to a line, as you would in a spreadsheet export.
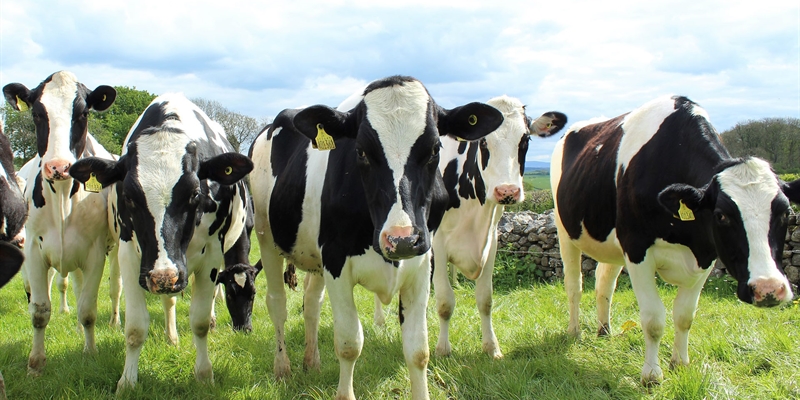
469	122
226	169
17	95
105	171
547	124
792	191
682	200
313	121
101	98
10	261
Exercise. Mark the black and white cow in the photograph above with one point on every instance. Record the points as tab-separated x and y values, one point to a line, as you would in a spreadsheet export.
13	211
654	190
179	206
481	178
67	227
361	213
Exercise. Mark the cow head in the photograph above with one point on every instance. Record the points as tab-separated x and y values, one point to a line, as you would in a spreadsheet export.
397	128
13	209
165	179
501	154
745	209
60	107
240	291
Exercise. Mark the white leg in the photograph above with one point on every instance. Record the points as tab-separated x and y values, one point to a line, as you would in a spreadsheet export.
170	323
683	311
414	300
604	285
445	298
61	284
348	336
200	319
652	314
483	298
76	277
219	293
114	285
87	302
313	294
379	317
137	319
573	280
276	305
39	308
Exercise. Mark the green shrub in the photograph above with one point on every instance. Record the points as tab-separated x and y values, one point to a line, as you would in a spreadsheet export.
536	200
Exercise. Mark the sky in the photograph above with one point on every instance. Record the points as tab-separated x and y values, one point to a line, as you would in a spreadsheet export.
739	60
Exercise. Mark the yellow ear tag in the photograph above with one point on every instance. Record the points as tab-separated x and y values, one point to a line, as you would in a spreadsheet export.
228	170
23	106
93	185
684	213
323	139
472	120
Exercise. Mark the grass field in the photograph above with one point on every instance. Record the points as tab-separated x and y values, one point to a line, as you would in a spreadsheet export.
537	180
738	352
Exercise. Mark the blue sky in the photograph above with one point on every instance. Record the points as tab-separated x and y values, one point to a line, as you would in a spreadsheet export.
739	60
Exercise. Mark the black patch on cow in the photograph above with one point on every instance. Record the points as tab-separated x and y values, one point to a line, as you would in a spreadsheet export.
396	80
288	161
450	178
75	187
213	274
470	183
36	193
462	147
522	151
400	310
484	150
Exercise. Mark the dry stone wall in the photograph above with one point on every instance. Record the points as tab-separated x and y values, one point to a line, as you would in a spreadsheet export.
533	237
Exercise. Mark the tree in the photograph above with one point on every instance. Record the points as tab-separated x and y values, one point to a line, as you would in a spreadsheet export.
21	133
776	140
239	128
111	127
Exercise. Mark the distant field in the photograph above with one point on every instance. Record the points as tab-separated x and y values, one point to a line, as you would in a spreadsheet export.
538	180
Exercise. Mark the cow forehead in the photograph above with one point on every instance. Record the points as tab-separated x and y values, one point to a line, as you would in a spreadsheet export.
751	185
159	166
514	125
58	95
398	114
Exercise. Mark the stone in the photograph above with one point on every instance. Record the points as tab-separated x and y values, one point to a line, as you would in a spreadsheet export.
793	274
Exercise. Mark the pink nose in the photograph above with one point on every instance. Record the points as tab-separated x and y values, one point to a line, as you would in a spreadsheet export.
162	282
507	194
56	170
770	292
390	237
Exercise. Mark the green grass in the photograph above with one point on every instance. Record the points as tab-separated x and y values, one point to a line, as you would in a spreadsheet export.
738	352
536	181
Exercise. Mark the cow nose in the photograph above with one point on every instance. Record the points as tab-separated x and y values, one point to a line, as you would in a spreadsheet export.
56	169
163	282
507	194
770	292
400	242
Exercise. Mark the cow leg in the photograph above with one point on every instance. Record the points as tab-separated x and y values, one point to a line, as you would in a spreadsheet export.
348	336
604	285
200	319
137	319
26	283
39	308
62	284
573	281
313	294
378	317
170	324
276	305
652	314
483	298
414	302
445	298
87	302
76	277
114	285
683	311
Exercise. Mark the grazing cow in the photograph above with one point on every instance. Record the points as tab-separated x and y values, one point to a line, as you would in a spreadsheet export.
361	213
654	190
481	178
178	205
13	211
67	227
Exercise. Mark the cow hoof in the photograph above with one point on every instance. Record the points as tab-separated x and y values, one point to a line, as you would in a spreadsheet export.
676	363
493	350
206	376
603	330
311	362
36	365
283	372
124	385
443	350
575	332
114	321
213	324
653	378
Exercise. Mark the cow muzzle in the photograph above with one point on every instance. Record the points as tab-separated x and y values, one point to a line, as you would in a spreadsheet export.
507	194
401	242
770	292
165	282
56	169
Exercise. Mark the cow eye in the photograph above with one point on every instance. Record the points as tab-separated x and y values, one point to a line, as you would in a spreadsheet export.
362	156
721	218
435	153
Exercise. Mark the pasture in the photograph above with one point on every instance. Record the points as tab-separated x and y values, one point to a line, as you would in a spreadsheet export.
737	351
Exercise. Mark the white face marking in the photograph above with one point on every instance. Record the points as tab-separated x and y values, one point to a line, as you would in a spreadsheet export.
398	114
240	278
503	145
753	186
58	97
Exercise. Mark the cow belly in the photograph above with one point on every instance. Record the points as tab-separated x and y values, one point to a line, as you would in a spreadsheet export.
607	251
467	234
